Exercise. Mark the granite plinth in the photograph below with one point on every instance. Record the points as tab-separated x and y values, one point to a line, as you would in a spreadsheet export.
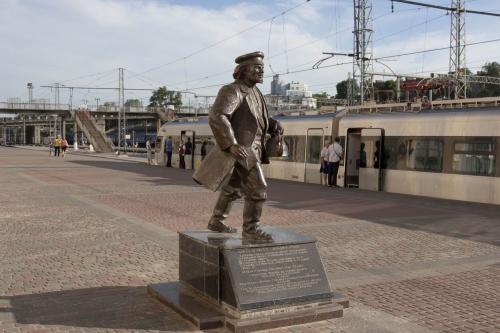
252	284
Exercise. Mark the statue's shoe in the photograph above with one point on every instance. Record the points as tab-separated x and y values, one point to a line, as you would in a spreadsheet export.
221	227
257	234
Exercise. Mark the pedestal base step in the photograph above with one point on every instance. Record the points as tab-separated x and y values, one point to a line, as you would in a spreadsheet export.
205	316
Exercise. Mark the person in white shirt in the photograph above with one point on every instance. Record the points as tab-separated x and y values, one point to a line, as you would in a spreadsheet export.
149	151
335	154
324	164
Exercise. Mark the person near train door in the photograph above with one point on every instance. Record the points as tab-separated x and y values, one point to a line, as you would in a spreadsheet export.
169	148
335	154
189	146
324	169
203	150
239	121
182	153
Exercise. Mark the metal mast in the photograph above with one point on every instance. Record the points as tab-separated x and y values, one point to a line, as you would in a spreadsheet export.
363	48
457	47
121	111
457	62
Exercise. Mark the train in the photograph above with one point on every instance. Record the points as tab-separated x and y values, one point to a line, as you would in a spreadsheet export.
449	154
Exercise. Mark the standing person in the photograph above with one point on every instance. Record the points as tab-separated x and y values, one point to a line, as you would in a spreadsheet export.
149	151
57	146
203	150
64	146
169	148
51	146
335	153
189	146
182	152
324	164
362	156
239	121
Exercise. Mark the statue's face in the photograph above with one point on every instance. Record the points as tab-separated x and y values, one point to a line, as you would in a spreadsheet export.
254	73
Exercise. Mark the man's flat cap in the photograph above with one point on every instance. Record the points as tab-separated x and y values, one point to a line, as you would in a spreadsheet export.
250	58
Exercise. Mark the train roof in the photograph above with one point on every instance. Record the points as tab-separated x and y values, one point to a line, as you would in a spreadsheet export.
449	113
467	112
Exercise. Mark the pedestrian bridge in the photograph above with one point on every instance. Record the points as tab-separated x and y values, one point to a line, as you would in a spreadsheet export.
51	108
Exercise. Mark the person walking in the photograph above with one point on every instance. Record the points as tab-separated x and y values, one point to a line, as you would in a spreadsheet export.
169	148
324	164
335	153
149	151
64	146
57	146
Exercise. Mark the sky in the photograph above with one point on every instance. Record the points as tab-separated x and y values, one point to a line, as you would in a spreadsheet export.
191	45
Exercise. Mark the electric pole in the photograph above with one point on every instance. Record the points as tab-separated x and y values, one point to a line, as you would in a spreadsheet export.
457	63
363	48
121	111
30	92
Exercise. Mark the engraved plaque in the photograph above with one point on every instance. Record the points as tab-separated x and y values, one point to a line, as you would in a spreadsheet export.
266	276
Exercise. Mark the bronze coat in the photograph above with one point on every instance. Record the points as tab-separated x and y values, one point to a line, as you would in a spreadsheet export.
233	120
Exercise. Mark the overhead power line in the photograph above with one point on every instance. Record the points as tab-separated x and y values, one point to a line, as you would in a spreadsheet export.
436	49
450	9
225	39
350	63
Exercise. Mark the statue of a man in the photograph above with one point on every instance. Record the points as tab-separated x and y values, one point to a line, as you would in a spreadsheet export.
240	122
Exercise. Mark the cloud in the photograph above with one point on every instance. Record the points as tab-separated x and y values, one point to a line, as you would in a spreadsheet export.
58	40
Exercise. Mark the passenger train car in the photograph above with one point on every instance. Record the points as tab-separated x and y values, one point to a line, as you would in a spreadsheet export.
448	154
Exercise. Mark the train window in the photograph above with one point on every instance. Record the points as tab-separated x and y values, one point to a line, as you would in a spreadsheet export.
475	158
342	143
293	148
403	153
475	147
424	154
313	149
395	149
204	144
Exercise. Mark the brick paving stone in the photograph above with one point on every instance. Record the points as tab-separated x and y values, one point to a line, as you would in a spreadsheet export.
71	260
454	302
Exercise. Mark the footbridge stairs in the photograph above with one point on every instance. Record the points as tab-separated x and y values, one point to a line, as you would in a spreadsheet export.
97	138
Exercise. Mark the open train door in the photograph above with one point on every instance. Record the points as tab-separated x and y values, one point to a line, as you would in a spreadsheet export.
370	159
314	144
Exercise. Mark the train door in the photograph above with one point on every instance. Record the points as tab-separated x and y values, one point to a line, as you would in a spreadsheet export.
370	159
353	142
314	143
188	137
159	151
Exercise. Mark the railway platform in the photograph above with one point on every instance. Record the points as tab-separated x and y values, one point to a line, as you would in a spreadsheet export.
82	236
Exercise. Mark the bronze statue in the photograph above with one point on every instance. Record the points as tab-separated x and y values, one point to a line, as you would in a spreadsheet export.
240	122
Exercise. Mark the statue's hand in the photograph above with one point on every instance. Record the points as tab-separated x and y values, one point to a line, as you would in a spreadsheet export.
238	151
277	128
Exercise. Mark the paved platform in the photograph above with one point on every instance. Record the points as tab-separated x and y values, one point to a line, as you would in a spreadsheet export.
82	236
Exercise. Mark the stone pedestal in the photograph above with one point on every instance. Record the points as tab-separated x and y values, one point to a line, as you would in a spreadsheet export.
244	285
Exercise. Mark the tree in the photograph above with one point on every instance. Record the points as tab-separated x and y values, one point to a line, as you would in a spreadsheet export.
321	98
133	103
163	97
385	90
485	90
342	88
